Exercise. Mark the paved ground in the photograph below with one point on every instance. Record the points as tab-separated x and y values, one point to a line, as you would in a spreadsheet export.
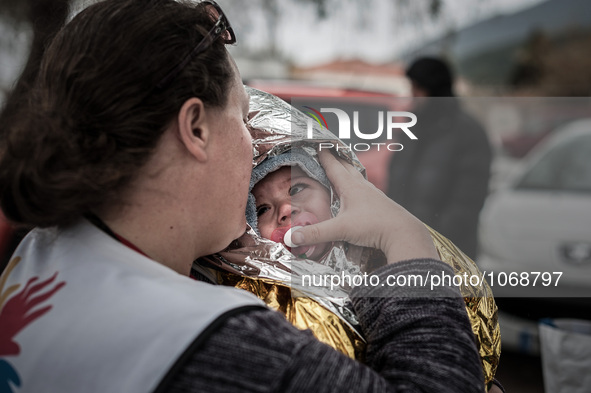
520	373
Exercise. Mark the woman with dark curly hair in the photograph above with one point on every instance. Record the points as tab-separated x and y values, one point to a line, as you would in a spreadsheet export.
132	159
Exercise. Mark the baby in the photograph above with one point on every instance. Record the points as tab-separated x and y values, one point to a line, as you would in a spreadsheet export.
288	198
290	190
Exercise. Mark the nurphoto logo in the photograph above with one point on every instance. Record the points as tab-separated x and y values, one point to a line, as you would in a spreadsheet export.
393	120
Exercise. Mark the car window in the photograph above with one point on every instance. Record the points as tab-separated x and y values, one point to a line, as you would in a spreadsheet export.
567	167
577	173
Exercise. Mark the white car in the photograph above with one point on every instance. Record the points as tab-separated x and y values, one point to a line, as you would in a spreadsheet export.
539	228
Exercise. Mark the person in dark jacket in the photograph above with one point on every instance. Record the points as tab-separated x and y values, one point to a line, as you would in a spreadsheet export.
442	177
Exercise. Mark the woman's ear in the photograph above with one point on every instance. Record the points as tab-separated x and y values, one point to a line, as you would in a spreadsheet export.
193	128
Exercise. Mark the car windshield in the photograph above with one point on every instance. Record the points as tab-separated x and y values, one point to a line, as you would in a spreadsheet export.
566	167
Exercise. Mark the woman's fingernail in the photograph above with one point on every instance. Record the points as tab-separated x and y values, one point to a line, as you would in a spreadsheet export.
297	237
287	240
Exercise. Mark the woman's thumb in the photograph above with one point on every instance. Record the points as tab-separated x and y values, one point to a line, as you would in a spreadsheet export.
323	232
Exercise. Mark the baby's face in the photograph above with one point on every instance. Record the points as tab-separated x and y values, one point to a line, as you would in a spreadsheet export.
288	198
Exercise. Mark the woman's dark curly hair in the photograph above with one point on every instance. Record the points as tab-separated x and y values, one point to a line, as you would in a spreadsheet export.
94	116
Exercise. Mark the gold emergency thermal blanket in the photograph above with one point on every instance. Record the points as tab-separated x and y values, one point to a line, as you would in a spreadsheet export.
271	272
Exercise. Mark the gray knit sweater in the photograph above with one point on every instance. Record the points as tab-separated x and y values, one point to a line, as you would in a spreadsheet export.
418	341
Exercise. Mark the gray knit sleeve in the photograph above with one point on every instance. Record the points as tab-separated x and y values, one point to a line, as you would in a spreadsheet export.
416	343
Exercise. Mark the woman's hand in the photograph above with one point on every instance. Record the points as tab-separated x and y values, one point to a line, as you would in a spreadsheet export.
367	218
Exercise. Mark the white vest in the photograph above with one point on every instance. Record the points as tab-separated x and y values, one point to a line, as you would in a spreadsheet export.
112	319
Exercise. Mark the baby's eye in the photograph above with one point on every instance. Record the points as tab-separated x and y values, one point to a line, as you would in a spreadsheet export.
262	210
297	188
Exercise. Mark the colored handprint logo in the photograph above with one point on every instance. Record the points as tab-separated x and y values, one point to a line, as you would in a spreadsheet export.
16	313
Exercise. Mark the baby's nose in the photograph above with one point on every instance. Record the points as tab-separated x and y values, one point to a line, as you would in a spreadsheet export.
286	213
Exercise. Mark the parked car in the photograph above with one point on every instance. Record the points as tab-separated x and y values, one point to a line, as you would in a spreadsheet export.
541	222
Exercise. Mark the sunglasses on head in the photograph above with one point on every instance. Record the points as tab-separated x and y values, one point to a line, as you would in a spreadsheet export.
221	28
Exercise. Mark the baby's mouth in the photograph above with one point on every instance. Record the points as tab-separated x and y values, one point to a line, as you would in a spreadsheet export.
283	235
